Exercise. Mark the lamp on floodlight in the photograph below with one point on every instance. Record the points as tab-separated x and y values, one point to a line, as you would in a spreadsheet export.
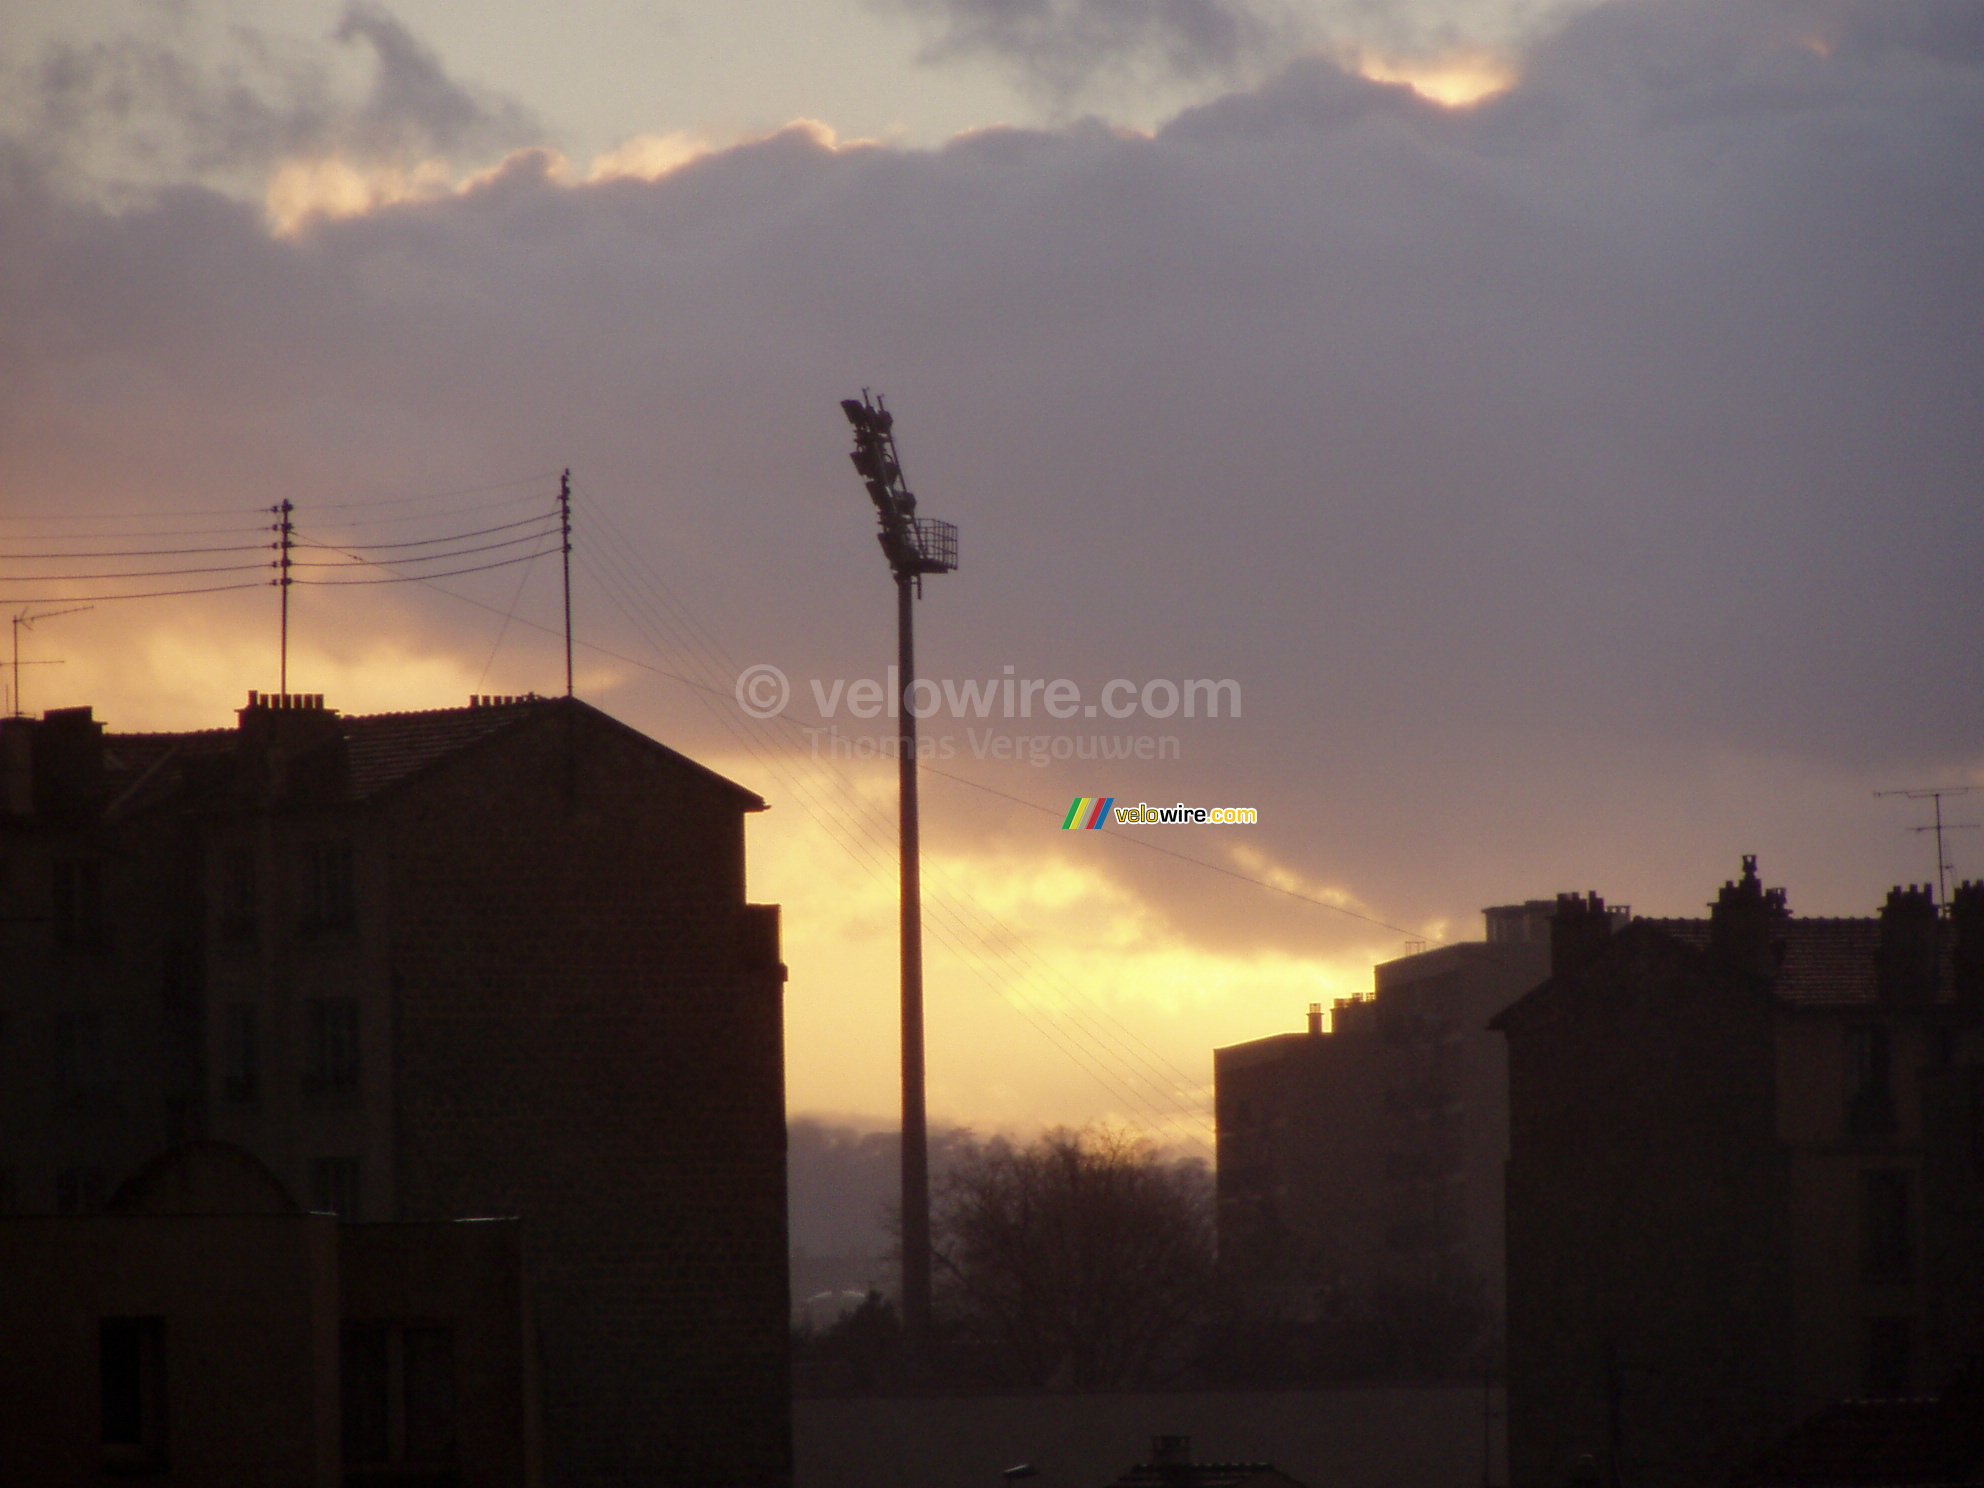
914	546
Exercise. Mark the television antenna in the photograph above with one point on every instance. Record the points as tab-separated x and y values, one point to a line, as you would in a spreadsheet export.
1935	793
26	621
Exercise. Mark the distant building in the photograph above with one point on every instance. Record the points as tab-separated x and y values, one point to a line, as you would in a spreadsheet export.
1360	1165
493	960
1746	1180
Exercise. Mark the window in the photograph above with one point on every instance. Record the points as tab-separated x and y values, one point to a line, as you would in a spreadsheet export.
131	1354
1887	1244
331	1044
1976	1083
334	1186
1869	1084
238	918
1888	1374
82	1064
399	1394
78	904
79	1190
328	906
429	1363
239	1054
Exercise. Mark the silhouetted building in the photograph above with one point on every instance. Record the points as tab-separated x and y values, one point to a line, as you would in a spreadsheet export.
1935	1443
203	1329
1744	1179
493	960
1360	1166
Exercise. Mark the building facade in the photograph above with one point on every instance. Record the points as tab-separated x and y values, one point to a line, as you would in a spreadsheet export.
1360	1166
493	960
1744	1179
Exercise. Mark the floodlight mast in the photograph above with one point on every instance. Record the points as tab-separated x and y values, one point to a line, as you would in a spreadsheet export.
914	546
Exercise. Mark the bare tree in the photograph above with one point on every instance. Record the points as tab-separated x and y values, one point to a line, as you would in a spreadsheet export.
1082	1258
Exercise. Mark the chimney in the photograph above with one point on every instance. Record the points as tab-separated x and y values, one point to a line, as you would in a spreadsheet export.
1967	929
1745	923
294	745
1906	963
68	761
1315	1020
17	766
1579	931
1171	1451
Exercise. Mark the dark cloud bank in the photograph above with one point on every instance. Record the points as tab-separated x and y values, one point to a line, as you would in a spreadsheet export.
1584	486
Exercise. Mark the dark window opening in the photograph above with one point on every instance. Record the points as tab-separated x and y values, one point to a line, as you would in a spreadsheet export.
240	1057
1976	1083
1887	1242
430	1394
367	1396
1870	1085
331	1044
239	920
399	1396
78	904
131	1353
334	1186
82	1062
79	1190
328	905
1889	1366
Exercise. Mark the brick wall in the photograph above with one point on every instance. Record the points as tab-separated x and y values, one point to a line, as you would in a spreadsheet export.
588	1033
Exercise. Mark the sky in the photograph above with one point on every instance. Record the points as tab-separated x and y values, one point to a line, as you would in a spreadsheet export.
1561	424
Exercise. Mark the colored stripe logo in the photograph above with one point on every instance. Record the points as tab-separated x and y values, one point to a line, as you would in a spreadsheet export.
1088	811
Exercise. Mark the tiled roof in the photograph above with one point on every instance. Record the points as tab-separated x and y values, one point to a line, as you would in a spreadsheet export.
388	747
1825	960
144	768
383	749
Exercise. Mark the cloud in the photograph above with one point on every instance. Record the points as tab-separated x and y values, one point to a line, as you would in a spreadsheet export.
1061	46
150	106
1582	485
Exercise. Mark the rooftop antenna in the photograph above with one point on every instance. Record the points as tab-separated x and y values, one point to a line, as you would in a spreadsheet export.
26	621
914	546
1944	867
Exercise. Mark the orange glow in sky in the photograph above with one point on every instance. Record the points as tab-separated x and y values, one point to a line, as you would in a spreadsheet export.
1454	81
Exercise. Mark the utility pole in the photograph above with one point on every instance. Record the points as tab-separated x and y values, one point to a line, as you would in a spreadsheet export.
565	530
284	532
1939	827
914	546
26	621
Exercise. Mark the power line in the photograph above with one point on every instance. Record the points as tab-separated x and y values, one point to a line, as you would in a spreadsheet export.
150	573
1146	842
134	516
958	911
421	578
427	542
143	552
363	562
502	485
153	594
